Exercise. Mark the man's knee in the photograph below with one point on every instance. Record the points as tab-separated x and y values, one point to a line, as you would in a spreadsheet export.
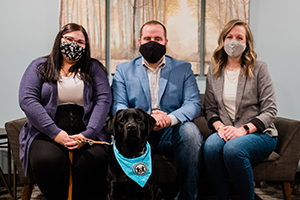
189	133
190	129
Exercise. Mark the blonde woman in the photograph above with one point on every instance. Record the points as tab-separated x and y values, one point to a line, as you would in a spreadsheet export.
240	106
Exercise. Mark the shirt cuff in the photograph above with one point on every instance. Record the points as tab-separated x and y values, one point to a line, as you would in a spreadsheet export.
213	120
258	124
174	120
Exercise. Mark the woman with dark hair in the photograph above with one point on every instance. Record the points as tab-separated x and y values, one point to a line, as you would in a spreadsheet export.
65	95
240	105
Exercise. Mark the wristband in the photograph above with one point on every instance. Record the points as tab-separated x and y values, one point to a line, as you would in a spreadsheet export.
220	127
246	127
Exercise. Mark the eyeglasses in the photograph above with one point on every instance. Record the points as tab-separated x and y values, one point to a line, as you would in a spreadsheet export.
71	39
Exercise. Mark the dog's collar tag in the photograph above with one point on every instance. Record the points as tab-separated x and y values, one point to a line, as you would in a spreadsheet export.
138	169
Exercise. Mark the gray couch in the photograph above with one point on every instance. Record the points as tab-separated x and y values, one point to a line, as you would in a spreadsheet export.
280	166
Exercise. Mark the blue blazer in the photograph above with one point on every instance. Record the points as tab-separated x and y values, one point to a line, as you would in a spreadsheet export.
178	90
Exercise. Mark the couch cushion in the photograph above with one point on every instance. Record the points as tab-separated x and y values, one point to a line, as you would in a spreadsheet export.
272	157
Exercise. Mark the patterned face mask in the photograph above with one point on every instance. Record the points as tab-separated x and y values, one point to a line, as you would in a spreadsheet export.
71	50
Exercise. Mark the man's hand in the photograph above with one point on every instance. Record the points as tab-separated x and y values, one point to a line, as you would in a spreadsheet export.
162	119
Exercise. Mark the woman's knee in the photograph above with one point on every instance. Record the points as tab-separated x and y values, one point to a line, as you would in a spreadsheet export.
213	144
91	157
44	152
48	160
233	152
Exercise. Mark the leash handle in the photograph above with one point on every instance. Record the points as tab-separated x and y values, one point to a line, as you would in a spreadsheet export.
91	142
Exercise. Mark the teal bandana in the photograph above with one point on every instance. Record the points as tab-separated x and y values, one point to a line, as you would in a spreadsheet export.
138	169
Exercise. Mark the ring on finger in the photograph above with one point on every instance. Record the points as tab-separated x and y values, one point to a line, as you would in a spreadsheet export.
230	136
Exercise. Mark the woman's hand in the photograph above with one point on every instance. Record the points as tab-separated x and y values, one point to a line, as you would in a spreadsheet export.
68	141
230	132
74	144
62	138
221	133
218	125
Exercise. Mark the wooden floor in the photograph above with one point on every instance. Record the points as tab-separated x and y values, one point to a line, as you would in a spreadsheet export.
268	191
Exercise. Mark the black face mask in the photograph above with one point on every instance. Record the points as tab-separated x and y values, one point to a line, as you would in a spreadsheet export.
152	51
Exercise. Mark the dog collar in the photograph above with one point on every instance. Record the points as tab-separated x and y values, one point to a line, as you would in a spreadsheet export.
138	169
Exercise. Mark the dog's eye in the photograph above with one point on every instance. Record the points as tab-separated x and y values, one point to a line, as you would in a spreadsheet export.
138	119
122	120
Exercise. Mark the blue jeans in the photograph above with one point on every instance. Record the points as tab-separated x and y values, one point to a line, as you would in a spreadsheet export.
233	159
183	141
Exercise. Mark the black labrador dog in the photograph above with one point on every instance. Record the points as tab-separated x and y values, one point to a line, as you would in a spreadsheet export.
130	128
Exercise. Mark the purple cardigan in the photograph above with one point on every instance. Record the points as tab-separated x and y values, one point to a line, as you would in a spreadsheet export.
38	100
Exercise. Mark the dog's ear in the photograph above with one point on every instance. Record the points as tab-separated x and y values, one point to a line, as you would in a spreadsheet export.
150	120
110	123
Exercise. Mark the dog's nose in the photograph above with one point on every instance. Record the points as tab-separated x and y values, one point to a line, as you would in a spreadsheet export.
130	127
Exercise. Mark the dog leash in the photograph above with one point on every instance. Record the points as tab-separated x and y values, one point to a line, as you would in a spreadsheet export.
81	140
70	176
91	142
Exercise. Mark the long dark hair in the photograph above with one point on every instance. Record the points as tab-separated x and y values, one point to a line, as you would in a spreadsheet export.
50	70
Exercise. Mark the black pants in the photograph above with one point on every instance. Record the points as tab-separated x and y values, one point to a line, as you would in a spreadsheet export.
50	162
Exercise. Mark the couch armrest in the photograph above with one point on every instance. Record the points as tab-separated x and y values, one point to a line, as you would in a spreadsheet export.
288	130
13	129
284	167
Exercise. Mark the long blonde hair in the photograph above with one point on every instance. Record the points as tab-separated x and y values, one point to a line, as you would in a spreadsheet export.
248	57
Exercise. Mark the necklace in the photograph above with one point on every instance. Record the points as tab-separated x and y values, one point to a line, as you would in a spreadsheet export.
66	73
233	76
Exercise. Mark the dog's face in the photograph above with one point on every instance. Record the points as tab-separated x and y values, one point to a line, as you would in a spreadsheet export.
130	128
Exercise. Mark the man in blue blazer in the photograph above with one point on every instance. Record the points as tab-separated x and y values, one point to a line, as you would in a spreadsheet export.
167	89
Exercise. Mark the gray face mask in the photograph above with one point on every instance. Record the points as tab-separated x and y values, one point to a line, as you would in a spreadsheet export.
234	48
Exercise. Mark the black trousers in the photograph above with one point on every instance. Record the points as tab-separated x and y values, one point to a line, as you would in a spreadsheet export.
50	162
